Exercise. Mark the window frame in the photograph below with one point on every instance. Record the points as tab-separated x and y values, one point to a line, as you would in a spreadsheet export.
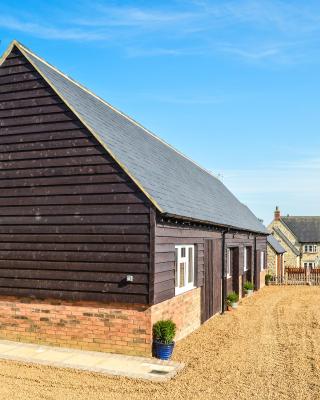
245	258
312	266
229	275
262	260
178	260
310	248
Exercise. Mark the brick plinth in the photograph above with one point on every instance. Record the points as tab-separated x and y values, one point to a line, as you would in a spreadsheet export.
262	278
113	328
184	310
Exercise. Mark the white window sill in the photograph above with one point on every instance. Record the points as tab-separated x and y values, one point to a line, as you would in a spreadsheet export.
183	289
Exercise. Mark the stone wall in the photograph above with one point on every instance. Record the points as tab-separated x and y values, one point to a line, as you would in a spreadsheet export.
271	261
290	259
310	257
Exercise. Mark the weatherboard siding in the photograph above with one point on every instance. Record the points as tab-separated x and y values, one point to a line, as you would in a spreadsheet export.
166	238
72	224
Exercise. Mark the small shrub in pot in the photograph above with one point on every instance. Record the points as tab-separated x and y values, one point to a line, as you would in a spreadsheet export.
164	332
232	299
248	287
267	279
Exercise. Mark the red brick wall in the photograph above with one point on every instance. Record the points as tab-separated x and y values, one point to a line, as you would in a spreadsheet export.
262	278
116	328
184	310
113	328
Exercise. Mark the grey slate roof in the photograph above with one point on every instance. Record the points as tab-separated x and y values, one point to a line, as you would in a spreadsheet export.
287	241
177	185
306	229
273	242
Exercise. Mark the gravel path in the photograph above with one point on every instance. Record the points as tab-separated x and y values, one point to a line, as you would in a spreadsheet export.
268	349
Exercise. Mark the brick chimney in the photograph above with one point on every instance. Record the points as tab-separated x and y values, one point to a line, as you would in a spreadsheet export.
277	214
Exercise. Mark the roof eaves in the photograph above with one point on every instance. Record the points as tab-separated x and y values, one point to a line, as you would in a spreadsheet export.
235	228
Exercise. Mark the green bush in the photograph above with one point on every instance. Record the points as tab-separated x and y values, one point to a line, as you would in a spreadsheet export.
248	285
267	278
232	298
164	331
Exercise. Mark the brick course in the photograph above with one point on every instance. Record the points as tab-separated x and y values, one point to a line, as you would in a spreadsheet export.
184	310
116	328
113	327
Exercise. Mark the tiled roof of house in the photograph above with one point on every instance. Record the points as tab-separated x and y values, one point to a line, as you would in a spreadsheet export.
275	244
306	229
176	185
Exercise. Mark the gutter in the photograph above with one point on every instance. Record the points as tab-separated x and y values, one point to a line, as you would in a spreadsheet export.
213	224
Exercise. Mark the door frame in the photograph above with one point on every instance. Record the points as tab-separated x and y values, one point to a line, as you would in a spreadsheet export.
211	290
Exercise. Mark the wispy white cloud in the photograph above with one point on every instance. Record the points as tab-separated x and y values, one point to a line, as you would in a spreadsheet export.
47	32
148	51
124	16
271	30
251	54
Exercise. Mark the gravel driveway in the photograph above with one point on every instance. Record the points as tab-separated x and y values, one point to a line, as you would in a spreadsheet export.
268	349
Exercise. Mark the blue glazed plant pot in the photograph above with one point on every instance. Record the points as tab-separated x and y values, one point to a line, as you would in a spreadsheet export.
163	351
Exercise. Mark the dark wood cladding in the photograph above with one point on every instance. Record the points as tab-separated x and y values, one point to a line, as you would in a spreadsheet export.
167	236
72	224
240	241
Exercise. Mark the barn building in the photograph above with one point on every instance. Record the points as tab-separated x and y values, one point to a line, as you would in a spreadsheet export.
104	227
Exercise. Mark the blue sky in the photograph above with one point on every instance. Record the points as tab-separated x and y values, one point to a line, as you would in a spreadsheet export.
233	84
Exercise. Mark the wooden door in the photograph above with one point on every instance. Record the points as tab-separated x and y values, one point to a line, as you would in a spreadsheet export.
217	275
235	269
211	290
257	269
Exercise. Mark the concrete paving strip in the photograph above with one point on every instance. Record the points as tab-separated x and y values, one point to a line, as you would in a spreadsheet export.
92	361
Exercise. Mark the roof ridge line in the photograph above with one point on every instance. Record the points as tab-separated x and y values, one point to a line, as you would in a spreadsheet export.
18	44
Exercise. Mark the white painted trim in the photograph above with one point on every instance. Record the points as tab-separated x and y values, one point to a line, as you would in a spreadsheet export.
262	260
228	263
245	259
189	285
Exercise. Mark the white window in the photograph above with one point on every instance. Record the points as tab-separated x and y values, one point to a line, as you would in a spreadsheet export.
310	265
310	248
184	268
228	263
262	260
245	258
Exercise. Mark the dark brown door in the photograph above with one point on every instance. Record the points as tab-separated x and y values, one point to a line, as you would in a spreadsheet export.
211	290
257	269
235	269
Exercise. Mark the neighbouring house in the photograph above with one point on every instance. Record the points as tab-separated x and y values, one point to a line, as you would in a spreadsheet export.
104	227
275	254
300	237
